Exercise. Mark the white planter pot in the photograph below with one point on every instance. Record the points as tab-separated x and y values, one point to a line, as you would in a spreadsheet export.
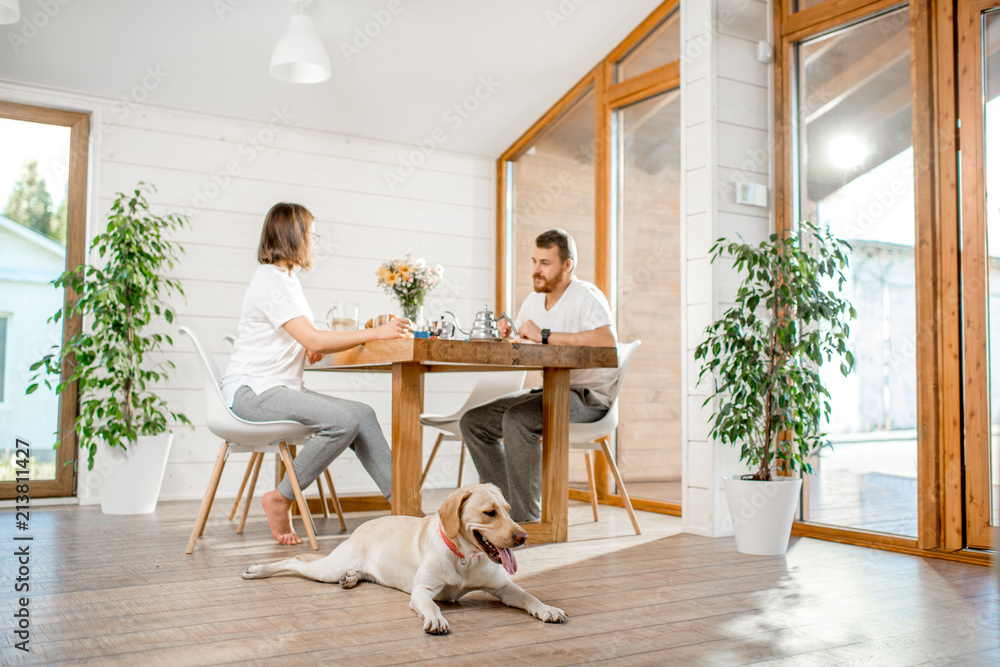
129	482
762	513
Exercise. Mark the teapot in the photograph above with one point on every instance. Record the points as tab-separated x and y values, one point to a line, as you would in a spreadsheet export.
442	328
485	325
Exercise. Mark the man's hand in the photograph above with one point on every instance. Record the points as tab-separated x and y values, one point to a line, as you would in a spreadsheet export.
530	331
314	357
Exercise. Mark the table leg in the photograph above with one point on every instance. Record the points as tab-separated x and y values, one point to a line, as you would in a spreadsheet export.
407	437
555	451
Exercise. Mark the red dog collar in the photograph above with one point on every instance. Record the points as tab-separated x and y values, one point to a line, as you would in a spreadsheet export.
450	544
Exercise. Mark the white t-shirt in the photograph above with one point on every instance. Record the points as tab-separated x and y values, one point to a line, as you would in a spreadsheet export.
582	307
264	354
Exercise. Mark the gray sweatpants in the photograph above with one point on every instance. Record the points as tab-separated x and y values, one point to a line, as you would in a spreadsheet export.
505	440
339	424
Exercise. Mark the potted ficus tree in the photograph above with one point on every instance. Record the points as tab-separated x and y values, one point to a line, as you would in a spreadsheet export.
112	361
763	357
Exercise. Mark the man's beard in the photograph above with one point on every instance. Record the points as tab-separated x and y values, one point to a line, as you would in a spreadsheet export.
546	287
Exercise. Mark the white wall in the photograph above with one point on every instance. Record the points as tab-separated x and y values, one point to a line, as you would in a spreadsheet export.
726	139
226	173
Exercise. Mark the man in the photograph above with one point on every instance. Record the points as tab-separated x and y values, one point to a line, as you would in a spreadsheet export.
504	436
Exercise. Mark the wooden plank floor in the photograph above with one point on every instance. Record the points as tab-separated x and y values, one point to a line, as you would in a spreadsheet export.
120	590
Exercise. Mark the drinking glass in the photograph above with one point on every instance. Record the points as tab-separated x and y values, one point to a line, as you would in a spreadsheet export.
343	316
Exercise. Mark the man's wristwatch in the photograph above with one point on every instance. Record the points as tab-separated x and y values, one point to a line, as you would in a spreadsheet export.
545	336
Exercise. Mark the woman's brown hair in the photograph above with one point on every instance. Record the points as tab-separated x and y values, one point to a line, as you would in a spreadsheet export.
285	236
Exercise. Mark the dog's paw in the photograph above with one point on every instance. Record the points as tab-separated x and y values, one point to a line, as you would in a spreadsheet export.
253	572
436	626
549	614
350	579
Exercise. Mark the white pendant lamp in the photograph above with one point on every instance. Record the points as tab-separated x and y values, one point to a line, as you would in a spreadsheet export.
9	11
299	56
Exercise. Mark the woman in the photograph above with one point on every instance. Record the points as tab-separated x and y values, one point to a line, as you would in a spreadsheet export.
276	335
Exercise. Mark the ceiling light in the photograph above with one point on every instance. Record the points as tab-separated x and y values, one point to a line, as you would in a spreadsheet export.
300	56
847	151
9	11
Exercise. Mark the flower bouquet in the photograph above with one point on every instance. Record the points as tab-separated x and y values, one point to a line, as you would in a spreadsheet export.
409	280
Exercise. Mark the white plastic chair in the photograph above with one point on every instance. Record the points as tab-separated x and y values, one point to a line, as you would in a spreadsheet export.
240	435
253	468
595	436
489	386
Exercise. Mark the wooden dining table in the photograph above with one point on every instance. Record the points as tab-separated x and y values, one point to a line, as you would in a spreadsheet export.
408	359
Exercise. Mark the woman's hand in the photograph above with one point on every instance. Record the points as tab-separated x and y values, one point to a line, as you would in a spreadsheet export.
503	328
395	328
314	357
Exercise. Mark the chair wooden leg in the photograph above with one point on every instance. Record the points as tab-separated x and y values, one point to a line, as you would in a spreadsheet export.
336	500
461	463
299	498
206	502
621	485
322	497
259	459
590	482
434	452
211	500
243	484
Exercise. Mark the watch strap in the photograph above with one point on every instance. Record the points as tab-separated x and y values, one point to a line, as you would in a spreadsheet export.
545	336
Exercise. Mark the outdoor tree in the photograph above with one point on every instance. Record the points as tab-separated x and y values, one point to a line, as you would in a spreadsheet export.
59	224
30	203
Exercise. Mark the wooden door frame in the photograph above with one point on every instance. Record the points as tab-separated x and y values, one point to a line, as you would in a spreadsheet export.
76	239
974	272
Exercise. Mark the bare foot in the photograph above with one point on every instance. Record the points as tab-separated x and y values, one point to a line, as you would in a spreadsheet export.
279	518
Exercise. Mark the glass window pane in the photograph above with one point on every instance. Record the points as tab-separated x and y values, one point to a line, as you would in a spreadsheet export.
660	47
552	185
33	189
991	135
648	276
855	174
3	356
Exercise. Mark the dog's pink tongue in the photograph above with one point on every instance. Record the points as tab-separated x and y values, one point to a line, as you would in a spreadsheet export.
508	560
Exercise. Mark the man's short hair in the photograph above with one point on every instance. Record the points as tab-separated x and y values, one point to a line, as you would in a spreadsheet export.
562	240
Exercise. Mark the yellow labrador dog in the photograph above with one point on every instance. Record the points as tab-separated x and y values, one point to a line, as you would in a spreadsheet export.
466	547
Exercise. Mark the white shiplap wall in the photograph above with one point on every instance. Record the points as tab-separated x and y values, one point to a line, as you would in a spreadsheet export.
726	137
226	173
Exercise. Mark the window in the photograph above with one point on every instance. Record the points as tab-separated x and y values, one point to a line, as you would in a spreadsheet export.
647	191
3	357
660	47
855	175
604	163
552	185
43	169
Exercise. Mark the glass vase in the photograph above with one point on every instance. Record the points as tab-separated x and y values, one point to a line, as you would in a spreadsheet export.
415	313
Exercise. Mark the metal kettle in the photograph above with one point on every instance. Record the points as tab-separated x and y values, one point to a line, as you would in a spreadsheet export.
485	325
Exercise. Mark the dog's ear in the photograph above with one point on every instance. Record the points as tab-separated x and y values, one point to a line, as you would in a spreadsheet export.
451	511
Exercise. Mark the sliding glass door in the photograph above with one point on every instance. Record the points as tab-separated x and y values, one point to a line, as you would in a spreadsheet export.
855	176
979	109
